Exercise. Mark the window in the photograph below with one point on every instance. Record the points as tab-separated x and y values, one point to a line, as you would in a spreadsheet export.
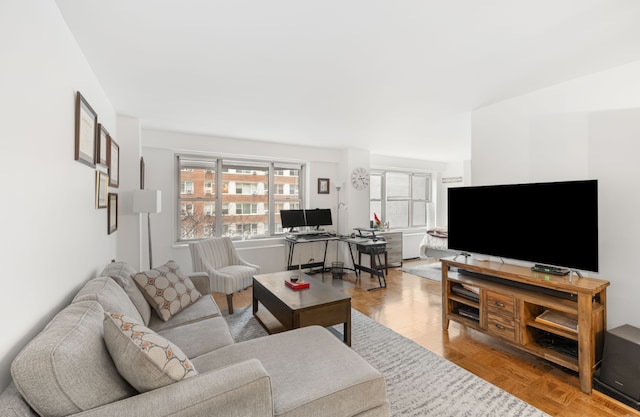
246	208
197	199
186	187
220	197
287	182
402	199
208	187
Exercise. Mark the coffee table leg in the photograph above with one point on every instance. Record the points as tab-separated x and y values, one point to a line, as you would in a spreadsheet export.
347	331
255	305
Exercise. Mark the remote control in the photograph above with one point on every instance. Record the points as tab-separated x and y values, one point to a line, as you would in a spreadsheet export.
553	270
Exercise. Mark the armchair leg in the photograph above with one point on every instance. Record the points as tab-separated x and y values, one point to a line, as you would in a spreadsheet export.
230	303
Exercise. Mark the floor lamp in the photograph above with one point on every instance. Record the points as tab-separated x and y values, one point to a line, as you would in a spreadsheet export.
340	205
147	201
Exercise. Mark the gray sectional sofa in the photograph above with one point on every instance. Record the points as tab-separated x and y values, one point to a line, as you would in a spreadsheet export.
68	369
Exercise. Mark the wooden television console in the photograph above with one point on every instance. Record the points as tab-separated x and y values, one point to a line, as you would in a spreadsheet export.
510	298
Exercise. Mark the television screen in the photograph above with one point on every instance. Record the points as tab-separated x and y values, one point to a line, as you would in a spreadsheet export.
318	217
292	218
553	223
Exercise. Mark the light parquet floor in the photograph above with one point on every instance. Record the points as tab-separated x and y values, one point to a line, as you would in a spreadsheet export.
412	306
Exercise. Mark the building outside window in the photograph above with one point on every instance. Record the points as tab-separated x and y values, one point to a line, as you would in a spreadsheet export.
235	197
288	191
197	199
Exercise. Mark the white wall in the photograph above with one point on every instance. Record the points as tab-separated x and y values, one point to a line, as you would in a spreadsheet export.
586	128
54	238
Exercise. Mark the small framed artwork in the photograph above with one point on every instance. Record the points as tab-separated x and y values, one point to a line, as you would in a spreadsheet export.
103	142
113	161
323	185
86	132
102	188
112	218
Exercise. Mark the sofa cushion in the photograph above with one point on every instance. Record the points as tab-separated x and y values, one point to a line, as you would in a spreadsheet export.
13	405
167	289
312	372
121	272
200	337
66	368
110	295
143	357
202	309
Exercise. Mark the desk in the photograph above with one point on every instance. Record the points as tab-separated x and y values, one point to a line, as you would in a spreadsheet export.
293	240
373	248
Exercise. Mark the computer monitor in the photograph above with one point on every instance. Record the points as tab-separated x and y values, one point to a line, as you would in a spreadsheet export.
318	217
291	219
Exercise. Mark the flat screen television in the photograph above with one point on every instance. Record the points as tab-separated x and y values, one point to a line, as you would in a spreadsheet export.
318	217
291	219
554	223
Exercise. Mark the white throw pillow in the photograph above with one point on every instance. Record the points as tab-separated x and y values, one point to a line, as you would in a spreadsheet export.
167	289
144	358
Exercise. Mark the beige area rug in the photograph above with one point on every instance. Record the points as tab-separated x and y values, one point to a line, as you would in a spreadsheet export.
432	271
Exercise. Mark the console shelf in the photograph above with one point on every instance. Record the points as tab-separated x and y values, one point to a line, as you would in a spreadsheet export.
511	297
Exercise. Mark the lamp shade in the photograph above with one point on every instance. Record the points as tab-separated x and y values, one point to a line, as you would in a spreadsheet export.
147	201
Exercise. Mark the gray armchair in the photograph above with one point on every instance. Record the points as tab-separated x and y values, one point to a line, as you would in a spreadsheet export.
228	272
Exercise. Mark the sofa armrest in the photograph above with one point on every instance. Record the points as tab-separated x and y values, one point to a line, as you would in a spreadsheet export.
241	389
201	282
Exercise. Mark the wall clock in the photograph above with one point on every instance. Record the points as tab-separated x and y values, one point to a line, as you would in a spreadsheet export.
360	178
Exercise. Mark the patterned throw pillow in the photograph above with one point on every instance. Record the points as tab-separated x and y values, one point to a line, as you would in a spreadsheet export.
144	358
167	289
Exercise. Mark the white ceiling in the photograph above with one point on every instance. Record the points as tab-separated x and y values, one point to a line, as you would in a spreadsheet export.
397	77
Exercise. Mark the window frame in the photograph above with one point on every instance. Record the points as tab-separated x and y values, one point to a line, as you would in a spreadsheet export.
216	164
386	197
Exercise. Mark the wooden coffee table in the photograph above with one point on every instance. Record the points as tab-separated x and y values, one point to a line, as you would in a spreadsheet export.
320	304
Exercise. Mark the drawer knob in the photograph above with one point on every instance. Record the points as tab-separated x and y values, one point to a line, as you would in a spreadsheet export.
499	326
499	304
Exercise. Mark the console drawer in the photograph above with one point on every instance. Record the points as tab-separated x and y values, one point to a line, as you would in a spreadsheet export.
500	304
499	325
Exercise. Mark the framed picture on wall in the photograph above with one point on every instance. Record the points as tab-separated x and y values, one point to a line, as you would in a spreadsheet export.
113	161
323	185
102	188
103	143
86	132
112	217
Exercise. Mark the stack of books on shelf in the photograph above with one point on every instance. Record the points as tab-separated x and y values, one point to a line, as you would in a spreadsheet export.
466	291
559	320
